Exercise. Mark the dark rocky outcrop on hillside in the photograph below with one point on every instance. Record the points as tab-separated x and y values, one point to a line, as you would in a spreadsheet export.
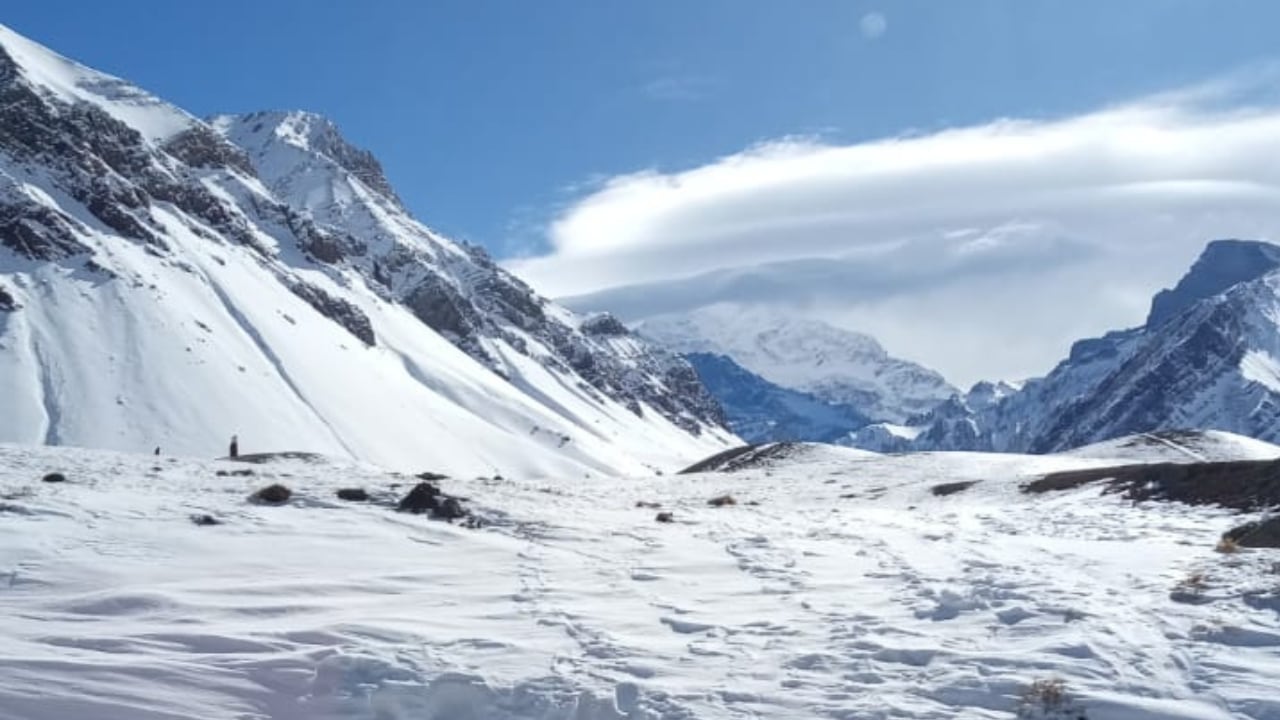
1244	485
350	317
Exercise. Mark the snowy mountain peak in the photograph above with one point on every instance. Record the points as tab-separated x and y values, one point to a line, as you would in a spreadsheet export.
1223	263
311	133
834	364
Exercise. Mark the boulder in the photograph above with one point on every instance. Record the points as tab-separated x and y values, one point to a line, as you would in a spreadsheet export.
721	501
422	498
205	520
353	494
449	509
54	477
275	494
665	517
1264	533
952	488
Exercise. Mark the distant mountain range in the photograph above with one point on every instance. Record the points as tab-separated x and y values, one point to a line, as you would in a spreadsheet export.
1207	357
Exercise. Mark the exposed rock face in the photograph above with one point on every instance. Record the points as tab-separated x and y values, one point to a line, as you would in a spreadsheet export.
760	411
338	310
1257	534
1223	264
604	325
201	147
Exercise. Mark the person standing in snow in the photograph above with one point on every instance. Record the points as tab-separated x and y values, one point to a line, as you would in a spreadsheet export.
235	446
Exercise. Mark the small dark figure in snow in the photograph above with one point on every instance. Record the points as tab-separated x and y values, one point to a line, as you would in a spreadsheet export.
157	450
235	446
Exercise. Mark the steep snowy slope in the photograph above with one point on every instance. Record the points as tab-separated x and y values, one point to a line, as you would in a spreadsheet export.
841	585
837	366
1209	357
161	286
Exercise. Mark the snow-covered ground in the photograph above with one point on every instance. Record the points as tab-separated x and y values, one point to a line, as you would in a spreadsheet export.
838	586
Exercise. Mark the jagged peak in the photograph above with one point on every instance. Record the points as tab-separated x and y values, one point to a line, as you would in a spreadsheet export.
310	132
1222	264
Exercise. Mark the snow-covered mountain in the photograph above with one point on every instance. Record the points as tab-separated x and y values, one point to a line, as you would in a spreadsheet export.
1208	357
168	282
760	411
838	366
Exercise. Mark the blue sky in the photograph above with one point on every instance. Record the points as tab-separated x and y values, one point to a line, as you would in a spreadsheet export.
489	115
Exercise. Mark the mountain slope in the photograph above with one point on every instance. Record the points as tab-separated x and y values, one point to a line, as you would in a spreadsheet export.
161	285
1208	357
837	366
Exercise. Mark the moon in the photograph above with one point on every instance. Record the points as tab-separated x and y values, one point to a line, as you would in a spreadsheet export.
873	25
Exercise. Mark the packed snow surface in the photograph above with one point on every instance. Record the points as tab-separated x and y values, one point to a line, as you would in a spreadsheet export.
837	586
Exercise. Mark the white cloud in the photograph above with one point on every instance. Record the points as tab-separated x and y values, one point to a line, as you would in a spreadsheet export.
873	25
981	251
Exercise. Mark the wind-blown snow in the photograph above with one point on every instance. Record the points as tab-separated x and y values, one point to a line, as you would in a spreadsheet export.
839	586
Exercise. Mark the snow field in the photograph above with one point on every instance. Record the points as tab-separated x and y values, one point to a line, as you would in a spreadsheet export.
838	586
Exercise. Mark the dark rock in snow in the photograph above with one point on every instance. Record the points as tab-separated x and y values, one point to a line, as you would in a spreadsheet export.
353	494
604	325
665	517
275	494
745	457
201	147
649	505
7	303
54	477
952	488
205	520
1240	485
449	509
345	314
1264	533
722	500
429	476
422	498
